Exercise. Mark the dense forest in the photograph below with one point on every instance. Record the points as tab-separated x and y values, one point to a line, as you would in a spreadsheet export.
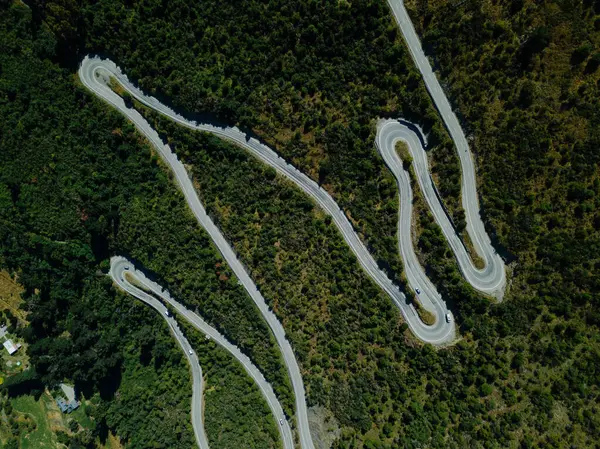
309	78
235	413
347	335
75	180
525	77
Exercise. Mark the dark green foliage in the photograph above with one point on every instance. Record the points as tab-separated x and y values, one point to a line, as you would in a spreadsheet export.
26	382
166	239
235	412
273	232
309	78
154	396
536	134
70	173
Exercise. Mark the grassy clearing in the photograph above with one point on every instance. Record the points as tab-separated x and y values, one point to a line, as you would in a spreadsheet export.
133	281
116	86
16	363
404	153
81	417
426	316
38	424
112	442
41	437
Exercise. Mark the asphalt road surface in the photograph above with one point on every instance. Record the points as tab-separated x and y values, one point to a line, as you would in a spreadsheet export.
95	74
118	267
492	279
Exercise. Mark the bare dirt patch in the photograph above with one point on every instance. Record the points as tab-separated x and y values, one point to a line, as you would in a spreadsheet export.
324	428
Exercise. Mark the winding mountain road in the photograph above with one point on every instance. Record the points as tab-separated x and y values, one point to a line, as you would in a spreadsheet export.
96	73
491	279
119	266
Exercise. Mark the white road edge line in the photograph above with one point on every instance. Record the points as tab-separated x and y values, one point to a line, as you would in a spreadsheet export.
95	73
491	279
118	267
117	274
91	73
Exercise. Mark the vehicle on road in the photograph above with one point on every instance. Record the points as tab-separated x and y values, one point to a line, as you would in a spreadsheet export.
281	422
448	318
418	291
167	313
191	352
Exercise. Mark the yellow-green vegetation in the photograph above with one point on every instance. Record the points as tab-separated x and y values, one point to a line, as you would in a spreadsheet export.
420	216
31	417
426	316
36	422
116	86
112	442
404	153
19	361
16	363
10	296
475	257
134	281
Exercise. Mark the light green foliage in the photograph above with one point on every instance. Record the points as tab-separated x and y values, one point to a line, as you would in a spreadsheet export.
31	414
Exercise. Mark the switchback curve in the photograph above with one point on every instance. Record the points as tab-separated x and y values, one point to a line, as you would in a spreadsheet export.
118	267
96	73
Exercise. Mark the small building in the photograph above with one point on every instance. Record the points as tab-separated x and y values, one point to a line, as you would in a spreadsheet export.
11	347
66	407
69	404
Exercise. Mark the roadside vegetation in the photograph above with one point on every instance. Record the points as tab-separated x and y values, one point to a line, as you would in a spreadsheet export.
74	177
235	412
310	78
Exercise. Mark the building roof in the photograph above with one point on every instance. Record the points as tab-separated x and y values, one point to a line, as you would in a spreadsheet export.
69	392
67	407
11	347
